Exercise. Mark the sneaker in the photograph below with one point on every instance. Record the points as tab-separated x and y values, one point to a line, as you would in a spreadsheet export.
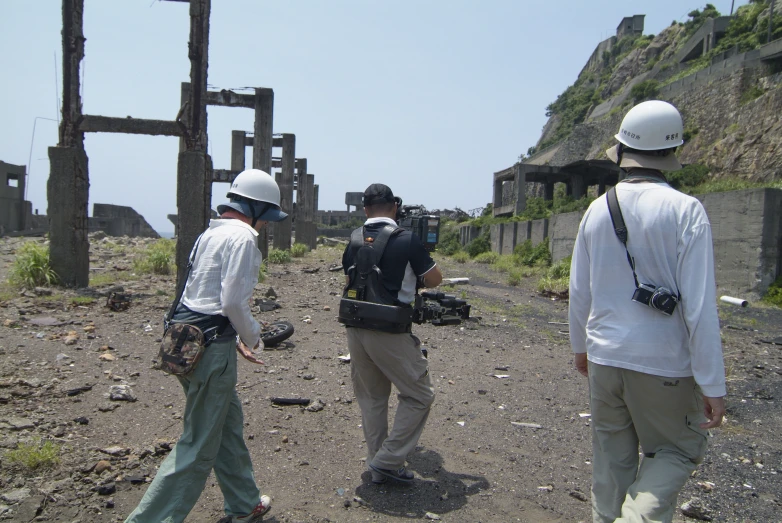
378	478
253	517
400	474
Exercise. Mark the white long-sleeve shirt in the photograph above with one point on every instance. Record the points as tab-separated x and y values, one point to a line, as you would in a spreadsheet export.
224	274
670	240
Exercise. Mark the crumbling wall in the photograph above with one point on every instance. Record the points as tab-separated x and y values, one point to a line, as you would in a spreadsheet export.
119	220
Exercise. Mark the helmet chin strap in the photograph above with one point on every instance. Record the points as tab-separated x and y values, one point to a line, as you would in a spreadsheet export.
256	216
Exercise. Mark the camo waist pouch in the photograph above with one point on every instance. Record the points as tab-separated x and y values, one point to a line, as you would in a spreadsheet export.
181	349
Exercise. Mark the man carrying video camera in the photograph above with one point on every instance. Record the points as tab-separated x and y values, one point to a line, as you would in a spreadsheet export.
384	264
644	326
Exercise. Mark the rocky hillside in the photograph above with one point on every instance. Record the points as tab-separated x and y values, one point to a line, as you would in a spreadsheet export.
721	72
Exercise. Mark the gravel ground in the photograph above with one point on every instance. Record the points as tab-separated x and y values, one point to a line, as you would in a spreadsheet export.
495	449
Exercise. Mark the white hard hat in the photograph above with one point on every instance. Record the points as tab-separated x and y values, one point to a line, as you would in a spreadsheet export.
652	126
249	190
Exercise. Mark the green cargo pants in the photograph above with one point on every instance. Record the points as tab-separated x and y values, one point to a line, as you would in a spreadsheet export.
212	439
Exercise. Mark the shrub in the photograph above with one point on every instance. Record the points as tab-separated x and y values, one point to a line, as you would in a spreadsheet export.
262	273
461	257
478	245
299	249
31	267
279	256
557	278
157	258
449	243
687	177
487	257
35	456
773	295
528	255
645	90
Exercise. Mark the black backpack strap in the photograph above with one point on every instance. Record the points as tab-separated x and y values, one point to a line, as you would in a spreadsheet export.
379	245
619	226
181	291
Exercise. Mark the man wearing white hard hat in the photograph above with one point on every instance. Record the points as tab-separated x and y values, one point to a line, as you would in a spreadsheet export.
226	264
644	325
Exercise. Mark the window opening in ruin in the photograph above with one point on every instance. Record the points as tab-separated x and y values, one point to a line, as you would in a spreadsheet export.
12	180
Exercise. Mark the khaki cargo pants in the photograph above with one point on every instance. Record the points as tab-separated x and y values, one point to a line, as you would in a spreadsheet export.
378	359
661	415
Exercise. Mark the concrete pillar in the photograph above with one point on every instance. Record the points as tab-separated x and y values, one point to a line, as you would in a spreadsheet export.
578	186
310	212
548	194
283	229
520	180
193	182
262	147
238	139
301	199
67	192
497	201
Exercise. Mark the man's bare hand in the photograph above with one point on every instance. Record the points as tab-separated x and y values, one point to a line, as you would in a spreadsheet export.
247	352
580	361
714	410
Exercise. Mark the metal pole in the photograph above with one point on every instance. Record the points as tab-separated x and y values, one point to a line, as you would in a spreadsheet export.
30	156
731	7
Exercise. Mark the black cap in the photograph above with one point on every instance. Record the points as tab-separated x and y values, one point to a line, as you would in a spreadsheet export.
378	193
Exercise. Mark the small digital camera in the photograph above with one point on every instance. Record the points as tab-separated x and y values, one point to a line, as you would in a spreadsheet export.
658	298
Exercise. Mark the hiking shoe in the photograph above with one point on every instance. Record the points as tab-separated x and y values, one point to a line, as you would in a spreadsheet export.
401	474
378	478
253	517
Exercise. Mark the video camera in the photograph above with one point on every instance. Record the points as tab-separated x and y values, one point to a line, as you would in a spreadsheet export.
415	219
440	309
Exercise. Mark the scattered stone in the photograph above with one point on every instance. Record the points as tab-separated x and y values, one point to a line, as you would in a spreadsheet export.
16	495
89	328
18	423
307	319
121	393
501	376
578	495
107	489
527	425
547	488
344	359
32	382
116	451
45	321
316	406
9	323
81	420
108	407
270	293
107	357
309	377
326	308
42	291
694	508
502	367
78	390
71	338
102	465
63	359
432	515
110	503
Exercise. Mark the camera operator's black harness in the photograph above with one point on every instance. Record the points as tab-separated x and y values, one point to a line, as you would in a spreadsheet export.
367	304
621	232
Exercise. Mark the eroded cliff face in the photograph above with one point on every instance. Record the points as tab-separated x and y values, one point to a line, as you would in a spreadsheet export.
731	112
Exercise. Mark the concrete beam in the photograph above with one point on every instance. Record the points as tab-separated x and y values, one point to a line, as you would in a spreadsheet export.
224	175
109	124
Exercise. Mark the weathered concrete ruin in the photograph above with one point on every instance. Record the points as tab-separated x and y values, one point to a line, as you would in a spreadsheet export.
68	185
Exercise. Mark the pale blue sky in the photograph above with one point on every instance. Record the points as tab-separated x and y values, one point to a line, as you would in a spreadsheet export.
428	97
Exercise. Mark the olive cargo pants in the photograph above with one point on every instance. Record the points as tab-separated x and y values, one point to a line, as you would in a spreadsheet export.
661	415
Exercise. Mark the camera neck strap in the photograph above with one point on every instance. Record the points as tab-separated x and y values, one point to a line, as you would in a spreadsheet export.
619	227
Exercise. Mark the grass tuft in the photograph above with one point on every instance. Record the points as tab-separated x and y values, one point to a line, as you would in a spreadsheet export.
299	249
34	456
31	267
280	256
158	258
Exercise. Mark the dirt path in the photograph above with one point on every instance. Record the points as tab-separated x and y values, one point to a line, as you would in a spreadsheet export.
475	463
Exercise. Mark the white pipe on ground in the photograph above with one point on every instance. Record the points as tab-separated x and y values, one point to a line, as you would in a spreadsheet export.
734	301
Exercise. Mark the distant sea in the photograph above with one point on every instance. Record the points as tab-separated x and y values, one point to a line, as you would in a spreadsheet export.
166	234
